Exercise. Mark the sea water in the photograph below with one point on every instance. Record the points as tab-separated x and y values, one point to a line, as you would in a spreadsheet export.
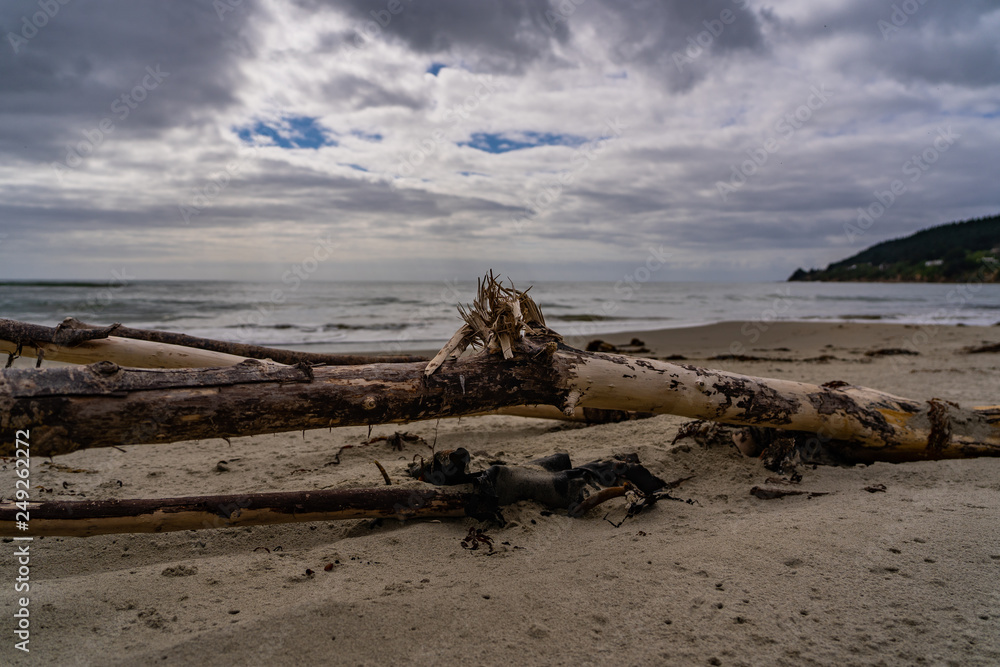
400	316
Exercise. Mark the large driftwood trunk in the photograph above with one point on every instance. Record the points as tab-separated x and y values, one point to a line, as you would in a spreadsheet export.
75	342
105	405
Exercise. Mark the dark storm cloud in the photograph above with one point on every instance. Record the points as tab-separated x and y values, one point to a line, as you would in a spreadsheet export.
945	56
877	18
676	40
499	36
66	77
504	37
912	40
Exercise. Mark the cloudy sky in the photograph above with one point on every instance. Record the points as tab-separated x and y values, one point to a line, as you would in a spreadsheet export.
398	139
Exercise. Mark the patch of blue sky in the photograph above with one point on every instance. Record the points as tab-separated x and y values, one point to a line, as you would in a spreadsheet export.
367	136
980	112
495	142
842	131
970	113
738	116
290	132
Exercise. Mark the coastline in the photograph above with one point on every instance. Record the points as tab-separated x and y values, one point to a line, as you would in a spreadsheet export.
852	577
803	338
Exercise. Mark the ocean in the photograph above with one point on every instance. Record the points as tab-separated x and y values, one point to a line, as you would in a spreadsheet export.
400	316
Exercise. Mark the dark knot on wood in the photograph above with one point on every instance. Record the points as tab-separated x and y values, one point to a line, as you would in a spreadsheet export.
940	419
104	368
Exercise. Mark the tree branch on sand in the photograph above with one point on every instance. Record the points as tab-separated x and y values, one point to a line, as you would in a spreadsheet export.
518	361
77	342
551	481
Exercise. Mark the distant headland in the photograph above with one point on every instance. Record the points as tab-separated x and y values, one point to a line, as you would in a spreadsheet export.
957	252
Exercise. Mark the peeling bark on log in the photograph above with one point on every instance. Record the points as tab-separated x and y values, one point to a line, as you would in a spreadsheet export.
104	405
885	426
75	341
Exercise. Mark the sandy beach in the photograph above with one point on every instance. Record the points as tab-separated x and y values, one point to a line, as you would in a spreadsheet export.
906	576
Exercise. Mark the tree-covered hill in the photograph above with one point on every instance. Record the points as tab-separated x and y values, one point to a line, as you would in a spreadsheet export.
954	252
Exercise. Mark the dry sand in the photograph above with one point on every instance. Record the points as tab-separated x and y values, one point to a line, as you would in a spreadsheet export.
908	576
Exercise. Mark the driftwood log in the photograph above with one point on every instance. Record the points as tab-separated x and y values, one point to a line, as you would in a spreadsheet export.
104	405
520	363
74	341
83	518
552	481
